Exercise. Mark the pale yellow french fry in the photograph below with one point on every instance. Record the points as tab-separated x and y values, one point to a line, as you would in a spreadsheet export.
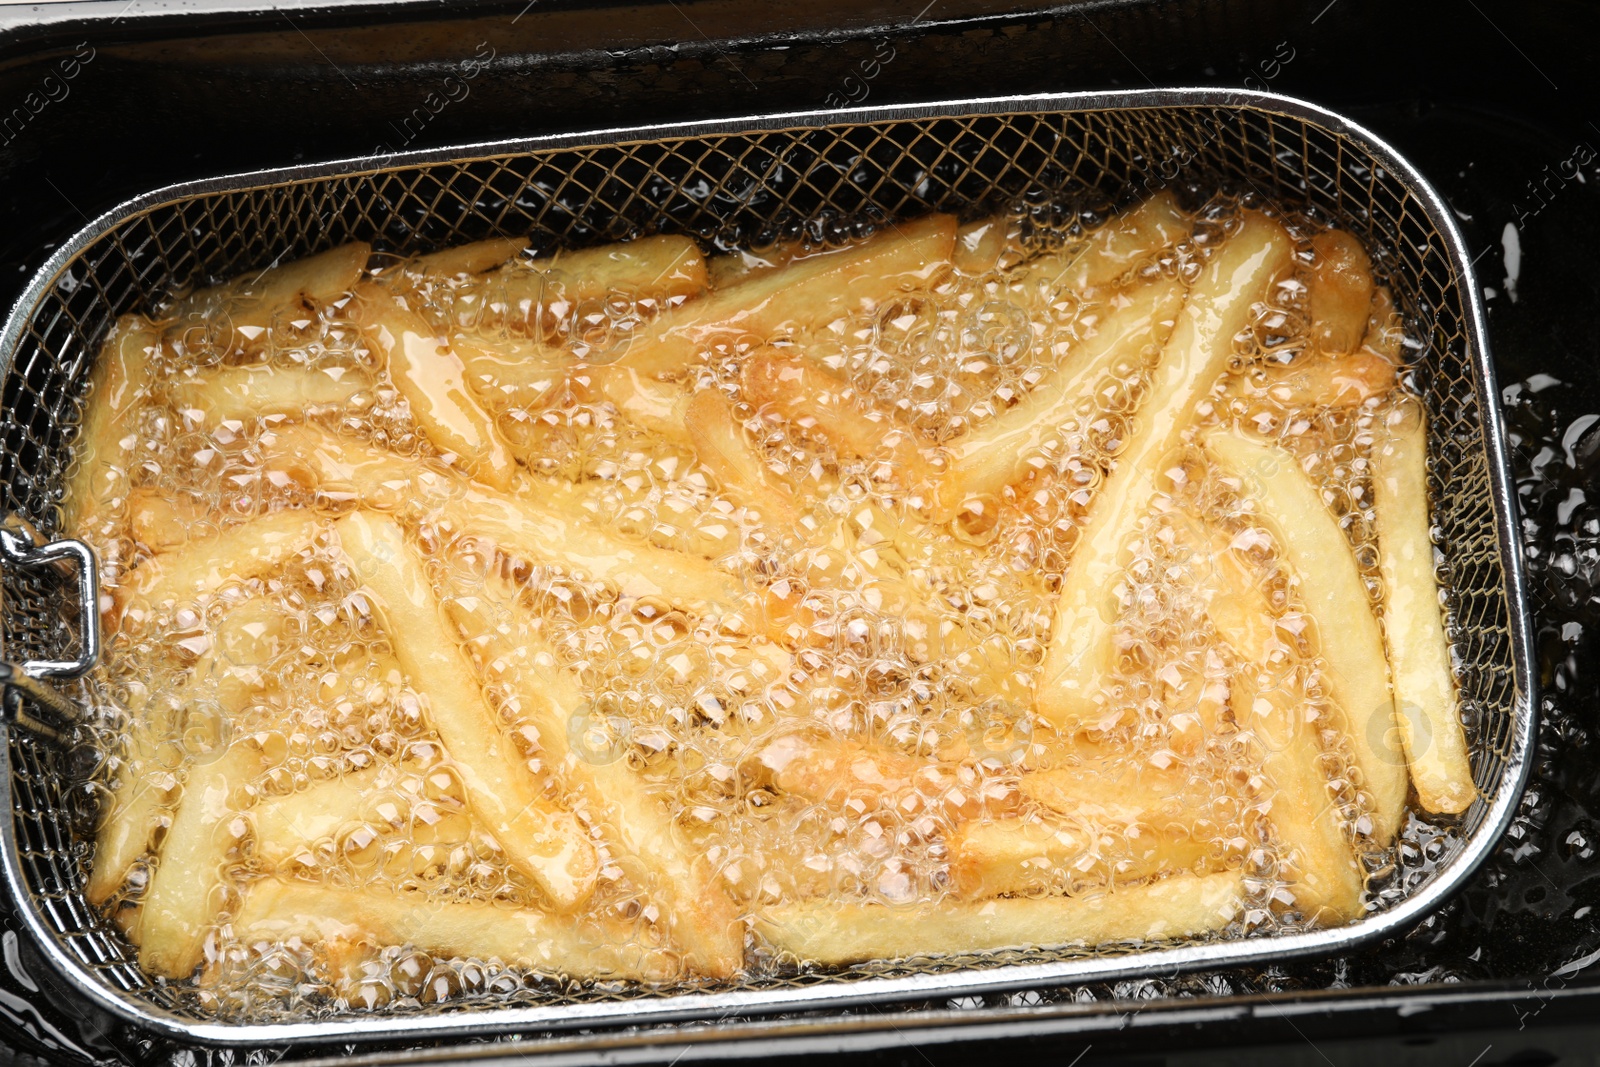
1324	381
98	484
227	678
1385	335
804	295
719	442
251	301
162	522
1419	652
703	917
661	269
999	452
1220	305
184	897
277	910
1329	585
433	381
1117	788
474	258
512	372
1322	870
542	839
734	267
803	393
244	394
1185	905
289	827
1117	247
658	408
1027	854
1339	291
257	548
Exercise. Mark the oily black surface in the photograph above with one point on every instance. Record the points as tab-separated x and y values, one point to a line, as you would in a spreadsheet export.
1494	113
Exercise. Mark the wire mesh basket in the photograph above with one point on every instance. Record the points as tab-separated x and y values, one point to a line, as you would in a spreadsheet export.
729	180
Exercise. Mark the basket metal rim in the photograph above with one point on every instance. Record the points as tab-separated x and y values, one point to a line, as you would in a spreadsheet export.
686	1006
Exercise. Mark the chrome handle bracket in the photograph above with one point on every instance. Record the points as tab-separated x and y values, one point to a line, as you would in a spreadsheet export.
22	546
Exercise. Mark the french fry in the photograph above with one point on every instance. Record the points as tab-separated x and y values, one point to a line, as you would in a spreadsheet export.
1219	306
1419	653
719	442
658	408
184	897
1339	291
1303	814
161	522
734	267
1385	331
1001	451
474	258
803	393
1117	247
287	828
661	268
544	840
804	295
1025	854
244	394
1330	586
278	910
1185	905
703	917
433	381
97	485
1312	380
986	244
228	676
514	372
257	548
251	301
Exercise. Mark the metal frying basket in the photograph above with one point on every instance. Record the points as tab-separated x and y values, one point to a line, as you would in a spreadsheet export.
729	179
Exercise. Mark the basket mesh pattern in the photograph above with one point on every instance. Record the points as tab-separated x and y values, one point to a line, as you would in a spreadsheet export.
734	188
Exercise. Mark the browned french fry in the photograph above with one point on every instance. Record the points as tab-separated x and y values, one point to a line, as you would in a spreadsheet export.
805	394
544	840
807	294
1026	854
254	549
244	394
1339	291
251	301
1117	247
228	677
184	897
1419	652
1002	450
702	915
433	381
719	442
97	485
1219	306
473	258
1184	905
1330	587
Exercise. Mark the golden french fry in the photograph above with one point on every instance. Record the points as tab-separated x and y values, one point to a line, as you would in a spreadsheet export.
654	271
1026	854
219	687
1313	380
806	294
734	267
278	910
702	915
1419	652
1385	335
1219	306
544	840
244	394
161	522
97	485
1330	586
986	244
1339	291
287	828
1117	247
800	391
251	301
512	372
1322	870
1001	451
1185	905
184	897
257	548
719	442
474	258
658	408
433	381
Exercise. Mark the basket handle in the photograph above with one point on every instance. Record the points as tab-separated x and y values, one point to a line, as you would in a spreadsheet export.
21	545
